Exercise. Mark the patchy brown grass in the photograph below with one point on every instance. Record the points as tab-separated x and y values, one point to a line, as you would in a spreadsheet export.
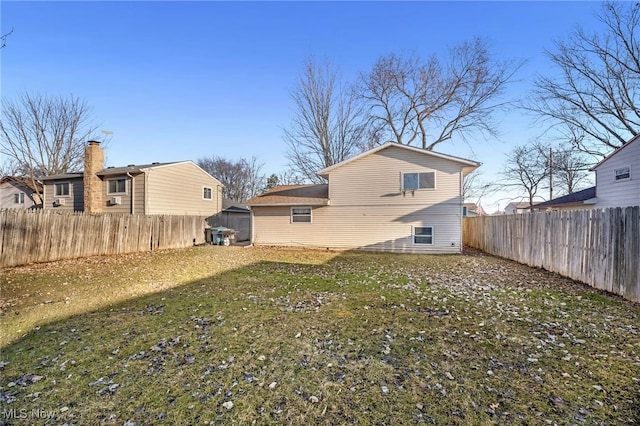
300	336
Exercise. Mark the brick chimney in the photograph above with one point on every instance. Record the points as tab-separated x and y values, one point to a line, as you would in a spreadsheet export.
93	185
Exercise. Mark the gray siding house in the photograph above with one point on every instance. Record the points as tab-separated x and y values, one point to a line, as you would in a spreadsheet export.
19	193
392	198
618	177
179	188
617	183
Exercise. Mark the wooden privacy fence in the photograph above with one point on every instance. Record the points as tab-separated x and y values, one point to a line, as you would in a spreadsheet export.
600	247
41	236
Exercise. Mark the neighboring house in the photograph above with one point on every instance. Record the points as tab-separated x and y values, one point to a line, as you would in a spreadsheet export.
19	193
472	210
179	188
579	200
516	208
391	198
618	177
617	183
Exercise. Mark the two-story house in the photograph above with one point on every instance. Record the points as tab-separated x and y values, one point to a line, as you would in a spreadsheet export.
391	198
178	188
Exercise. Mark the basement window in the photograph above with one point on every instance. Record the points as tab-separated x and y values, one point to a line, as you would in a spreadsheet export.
622	174
117	186
423	235
301	215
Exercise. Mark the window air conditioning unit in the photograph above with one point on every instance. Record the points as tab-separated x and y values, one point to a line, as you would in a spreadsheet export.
59	202
115	201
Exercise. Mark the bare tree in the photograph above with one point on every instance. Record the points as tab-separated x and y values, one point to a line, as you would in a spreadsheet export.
3	39
242	179
326	127
45	135
284	178
570	169
474	188
594	101
427	102
527	169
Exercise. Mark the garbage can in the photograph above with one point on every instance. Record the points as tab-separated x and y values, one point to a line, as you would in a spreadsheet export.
223	236
208	235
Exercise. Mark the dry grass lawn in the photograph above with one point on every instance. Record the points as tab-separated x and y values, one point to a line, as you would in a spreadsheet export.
213	335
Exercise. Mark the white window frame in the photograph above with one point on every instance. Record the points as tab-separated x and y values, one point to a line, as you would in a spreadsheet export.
414	235
18	198
625	170
109	192
418	188
204	189
55	189
310	215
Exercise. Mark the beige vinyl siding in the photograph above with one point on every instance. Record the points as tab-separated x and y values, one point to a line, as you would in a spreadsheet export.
349	227
75	200
125	199
138	194
612	193
7	196
369	210
376	180
176	189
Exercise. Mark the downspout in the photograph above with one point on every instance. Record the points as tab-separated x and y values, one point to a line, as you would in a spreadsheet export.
251	235
460	208
146	192
132	191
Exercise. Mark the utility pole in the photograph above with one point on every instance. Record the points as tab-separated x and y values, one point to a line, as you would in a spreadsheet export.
550	173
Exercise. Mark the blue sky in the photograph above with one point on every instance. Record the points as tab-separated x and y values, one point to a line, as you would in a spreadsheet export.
183	80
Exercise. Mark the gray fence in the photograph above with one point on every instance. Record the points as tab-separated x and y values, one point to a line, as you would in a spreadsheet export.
600	247
239	222
42	236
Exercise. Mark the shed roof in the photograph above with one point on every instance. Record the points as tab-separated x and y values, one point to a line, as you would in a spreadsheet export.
293	195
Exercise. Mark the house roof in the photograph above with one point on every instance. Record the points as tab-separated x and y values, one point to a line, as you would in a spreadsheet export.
575	198
635	139
22	181
469	163
111	171
63	176
131	168
519	205
293	195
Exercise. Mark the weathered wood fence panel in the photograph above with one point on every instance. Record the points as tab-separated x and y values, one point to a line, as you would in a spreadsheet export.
600	247
239	222
28	236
